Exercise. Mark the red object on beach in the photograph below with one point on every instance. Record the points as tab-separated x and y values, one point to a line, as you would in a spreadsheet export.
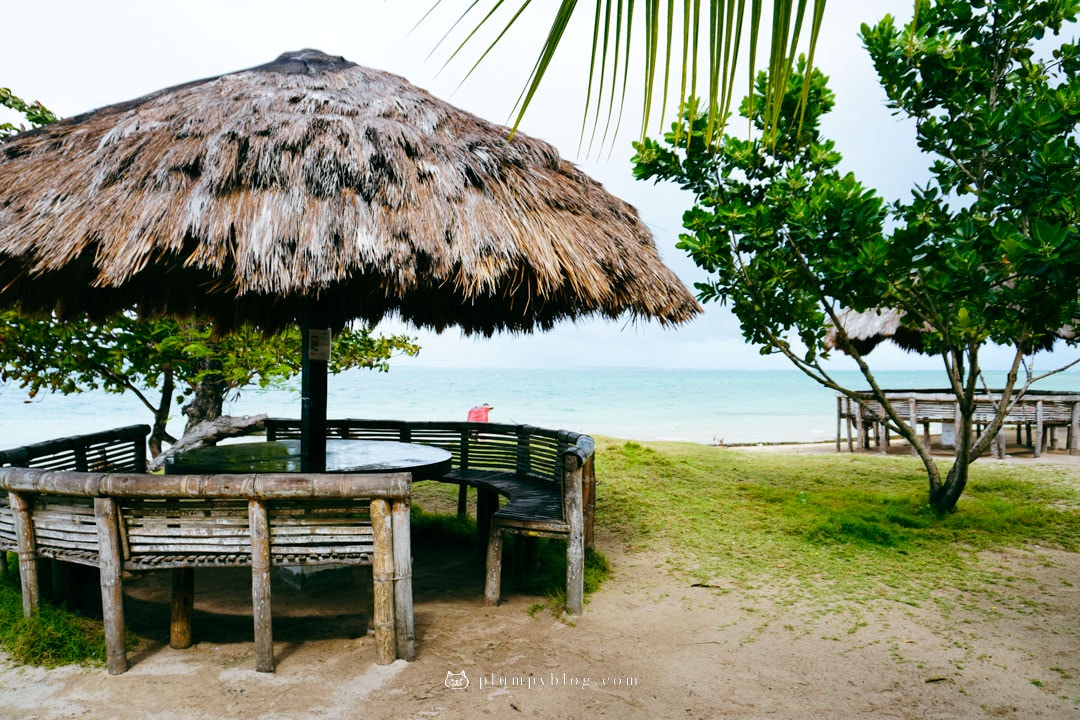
479	413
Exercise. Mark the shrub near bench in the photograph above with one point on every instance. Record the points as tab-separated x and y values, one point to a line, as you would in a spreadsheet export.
546	475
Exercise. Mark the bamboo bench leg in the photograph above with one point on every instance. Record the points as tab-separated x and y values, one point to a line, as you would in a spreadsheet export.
260	586
493	580
404	627
112	589
24	537
182	607
383	585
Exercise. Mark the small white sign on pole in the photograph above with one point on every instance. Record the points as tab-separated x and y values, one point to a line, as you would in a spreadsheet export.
319	345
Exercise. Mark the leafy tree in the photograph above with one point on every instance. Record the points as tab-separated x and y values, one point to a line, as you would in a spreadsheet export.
164	361
161	360
988	251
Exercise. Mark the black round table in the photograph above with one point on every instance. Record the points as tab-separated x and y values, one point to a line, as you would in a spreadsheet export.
343	456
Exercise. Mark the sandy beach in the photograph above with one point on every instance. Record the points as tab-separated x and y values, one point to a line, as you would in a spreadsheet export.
650	644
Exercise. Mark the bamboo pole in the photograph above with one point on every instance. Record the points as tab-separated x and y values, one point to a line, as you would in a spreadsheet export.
110	566
1074	428
575	548
588	502
1039	430
182	607
24	539
847	419
493	572
404	628
839	417
383	582
259	524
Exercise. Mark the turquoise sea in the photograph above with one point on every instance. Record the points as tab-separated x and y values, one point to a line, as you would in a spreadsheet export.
703	406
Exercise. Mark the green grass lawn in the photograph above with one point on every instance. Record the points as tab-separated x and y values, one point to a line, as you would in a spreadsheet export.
826	530
832	528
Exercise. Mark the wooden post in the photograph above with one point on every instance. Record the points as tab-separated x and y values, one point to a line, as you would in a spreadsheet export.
913	418
1074	428
110	566
27	549
839	418
1038	447
860	431
404	629
313	369
259	526
575	548
493	565
588	502
847	418
383	582
182	607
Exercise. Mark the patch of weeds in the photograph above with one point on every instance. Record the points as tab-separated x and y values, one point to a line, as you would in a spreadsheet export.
52	636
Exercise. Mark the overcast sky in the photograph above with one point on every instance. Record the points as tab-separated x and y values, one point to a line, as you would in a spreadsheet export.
75	56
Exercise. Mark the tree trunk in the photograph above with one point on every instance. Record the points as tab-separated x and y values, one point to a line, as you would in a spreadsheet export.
207	398
943	498
158	433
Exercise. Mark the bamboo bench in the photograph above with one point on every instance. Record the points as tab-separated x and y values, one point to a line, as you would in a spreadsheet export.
547	477
85	500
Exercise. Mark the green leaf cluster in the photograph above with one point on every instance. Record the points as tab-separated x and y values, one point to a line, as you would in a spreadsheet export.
775	222
35	113
162	360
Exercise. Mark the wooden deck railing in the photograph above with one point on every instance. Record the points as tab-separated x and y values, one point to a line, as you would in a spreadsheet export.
1037	413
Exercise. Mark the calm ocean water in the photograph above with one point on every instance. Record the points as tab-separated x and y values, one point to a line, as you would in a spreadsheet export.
648	404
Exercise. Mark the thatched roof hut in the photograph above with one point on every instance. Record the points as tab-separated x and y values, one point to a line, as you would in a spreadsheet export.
869	328
242	197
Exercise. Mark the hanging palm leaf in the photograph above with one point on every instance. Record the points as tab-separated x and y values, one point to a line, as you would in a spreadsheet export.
707	34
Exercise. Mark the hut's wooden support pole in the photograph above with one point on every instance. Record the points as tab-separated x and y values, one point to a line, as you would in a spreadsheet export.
575	545
313	385
383	582
110	565
259	523
404	628
24	540
182	607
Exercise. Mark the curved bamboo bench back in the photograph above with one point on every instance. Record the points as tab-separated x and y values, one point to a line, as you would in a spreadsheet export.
548	476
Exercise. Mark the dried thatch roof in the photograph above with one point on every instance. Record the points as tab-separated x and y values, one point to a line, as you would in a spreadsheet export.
867	329
241	197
